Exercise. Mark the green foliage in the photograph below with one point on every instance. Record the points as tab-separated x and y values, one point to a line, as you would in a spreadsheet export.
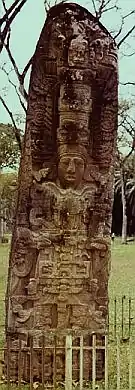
9	149
129	182
126	126
8	195
130	193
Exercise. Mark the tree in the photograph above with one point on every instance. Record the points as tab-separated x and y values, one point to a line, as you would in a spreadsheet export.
130	192
125	190
9	147
120	186
124	166
8	194
9	157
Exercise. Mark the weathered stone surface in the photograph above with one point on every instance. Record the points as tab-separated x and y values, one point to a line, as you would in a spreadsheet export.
60	257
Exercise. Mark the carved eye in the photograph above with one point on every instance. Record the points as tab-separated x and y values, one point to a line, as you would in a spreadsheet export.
79	163
65	162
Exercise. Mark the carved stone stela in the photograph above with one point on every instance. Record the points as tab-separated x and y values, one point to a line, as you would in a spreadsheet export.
60	255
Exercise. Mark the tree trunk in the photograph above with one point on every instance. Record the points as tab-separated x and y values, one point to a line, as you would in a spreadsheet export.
1	223
5	220
124	210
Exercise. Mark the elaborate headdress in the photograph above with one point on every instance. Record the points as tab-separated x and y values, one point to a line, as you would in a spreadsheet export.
72	138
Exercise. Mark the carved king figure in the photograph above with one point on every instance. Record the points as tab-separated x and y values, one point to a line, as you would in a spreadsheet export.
60	255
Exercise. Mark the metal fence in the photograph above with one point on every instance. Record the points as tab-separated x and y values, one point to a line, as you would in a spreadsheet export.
122	317
118	351
118	356
118	372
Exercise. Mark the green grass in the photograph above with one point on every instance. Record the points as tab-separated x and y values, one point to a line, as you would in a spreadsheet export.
122	277
121	283
4	248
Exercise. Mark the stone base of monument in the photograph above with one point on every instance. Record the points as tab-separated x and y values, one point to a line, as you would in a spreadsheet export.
43	358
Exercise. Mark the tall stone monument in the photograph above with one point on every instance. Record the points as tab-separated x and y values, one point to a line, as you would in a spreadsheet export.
60	254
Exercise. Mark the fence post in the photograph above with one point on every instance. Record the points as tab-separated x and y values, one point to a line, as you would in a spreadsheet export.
115	316
54	362
81	362
68	360
130	363
93	361
43	361
129	328
122	313
31	362
106	362
19	363
118	363
8	362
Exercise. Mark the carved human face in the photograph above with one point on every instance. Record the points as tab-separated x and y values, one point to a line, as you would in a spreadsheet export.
77	51
71	170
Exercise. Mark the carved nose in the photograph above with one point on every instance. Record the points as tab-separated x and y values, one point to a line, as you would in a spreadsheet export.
71	166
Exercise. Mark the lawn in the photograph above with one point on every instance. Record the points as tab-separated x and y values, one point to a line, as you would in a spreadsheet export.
122	277
121	284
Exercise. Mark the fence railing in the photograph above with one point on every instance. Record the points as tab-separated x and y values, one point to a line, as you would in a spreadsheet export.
118	363
118	353
122	317
118	372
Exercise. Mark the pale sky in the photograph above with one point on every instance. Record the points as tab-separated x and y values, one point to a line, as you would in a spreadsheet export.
25	33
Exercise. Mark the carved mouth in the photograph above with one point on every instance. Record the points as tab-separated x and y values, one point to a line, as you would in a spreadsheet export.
70	178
